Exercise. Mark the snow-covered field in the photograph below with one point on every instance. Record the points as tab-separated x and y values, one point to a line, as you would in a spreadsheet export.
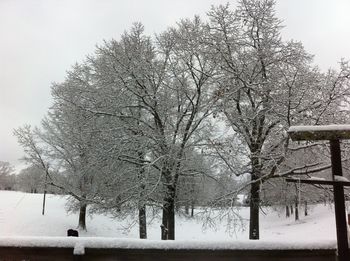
20	215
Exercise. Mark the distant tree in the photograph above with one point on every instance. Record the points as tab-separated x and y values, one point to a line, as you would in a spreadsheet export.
31	179
195	174
6	175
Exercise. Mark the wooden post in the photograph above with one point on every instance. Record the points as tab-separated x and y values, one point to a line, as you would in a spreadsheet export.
45	191
339	203
333	133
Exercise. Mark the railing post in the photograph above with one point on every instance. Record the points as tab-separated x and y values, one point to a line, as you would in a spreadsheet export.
339	203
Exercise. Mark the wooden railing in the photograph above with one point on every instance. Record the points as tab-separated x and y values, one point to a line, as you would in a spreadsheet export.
53	254
91	249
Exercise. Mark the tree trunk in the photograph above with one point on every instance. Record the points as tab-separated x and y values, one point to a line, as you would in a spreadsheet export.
192	209
142	198
168	219
82	216
296	210
297	191
287	211
142	222
254	209
164	225
171	213
305	208
291	210
171	220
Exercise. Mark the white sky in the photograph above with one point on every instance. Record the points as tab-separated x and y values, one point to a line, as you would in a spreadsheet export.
41	39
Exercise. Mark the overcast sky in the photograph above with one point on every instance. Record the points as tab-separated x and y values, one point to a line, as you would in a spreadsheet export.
41	39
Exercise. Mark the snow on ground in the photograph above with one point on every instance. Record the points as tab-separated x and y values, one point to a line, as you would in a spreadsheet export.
20	216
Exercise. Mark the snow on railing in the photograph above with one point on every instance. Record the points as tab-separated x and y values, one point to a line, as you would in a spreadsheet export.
313	128
80	243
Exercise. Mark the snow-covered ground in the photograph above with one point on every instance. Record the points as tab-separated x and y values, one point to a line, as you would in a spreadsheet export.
20	215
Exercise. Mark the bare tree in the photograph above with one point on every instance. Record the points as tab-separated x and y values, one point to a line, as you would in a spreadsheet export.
267	85
168	83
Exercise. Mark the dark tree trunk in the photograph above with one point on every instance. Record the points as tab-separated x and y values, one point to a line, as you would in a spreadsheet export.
305	208
254	209
171	213
291	210
192	209
296	210
287	211
82	216
297	190
142	198
164	225
168	219
142	222
171	221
